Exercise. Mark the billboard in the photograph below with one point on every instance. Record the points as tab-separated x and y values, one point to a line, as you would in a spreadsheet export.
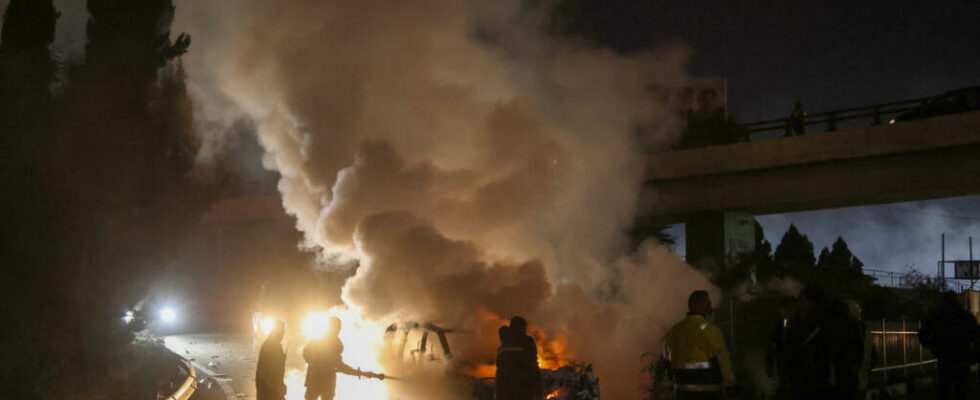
739	233
964	269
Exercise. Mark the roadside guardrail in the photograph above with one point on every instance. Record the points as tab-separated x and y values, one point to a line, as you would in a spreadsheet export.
186	389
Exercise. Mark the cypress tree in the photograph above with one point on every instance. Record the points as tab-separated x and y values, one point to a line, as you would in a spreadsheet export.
27	68
839	256
794	254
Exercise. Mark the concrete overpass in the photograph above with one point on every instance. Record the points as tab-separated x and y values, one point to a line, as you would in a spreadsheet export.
715	190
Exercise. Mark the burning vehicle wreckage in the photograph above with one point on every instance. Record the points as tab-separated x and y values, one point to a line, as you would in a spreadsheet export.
414	351
423	344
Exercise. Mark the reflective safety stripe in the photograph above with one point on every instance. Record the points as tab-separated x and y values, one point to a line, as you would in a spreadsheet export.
694	365
698	374
699	388
509	348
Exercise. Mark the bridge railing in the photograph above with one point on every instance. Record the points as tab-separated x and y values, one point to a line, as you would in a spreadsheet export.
874	114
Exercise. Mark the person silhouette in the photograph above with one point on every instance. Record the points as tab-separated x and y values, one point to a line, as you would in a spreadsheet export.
797	120
324	358
518	375
271	366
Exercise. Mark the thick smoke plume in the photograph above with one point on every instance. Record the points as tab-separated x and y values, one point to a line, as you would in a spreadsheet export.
463	161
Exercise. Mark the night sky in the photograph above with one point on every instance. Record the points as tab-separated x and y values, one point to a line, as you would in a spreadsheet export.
827	55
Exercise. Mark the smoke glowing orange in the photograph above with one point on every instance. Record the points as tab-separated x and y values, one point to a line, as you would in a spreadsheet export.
553	353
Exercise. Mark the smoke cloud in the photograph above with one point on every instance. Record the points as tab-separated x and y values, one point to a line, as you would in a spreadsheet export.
462	160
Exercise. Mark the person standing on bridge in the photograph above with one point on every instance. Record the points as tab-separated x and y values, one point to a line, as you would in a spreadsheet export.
271	366
324	358
797	120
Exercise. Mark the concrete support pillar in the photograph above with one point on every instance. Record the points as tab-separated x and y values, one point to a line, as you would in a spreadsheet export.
713	237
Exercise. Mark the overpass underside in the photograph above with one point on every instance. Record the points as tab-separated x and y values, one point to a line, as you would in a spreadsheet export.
917	160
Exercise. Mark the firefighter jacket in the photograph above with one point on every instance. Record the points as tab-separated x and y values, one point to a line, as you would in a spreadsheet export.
696	350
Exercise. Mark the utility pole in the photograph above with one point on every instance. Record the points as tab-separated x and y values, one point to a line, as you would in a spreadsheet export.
941	268
973	271
942	263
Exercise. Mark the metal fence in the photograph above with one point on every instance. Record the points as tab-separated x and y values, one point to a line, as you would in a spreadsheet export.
901	280
899	353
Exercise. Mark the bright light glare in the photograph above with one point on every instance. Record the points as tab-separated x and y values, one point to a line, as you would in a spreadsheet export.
267	324
128	317
314	325
168	314
363	340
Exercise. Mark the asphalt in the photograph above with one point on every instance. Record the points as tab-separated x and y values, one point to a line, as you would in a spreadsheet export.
225	363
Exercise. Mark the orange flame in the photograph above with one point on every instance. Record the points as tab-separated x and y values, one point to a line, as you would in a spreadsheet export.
556	393
552	352
482	371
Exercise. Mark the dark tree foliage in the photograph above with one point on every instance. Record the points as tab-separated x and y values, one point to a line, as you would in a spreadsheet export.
836	269
839	257
822	258
840	271
794	254
107	195
26	65
924	292
26	73
130	40
27	70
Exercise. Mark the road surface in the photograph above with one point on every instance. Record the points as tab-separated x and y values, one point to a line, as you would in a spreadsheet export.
225	361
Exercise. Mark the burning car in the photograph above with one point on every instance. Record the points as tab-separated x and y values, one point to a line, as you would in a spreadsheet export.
426	346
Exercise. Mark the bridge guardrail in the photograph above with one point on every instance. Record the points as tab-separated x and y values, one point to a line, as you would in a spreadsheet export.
875	113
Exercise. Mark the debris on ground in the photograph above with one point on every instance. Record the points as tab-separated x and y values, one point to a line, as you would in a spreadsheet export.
571	382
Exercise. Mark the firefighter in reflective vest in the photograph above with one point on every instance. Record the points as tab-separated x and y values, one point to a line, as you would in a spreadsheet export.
696	351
